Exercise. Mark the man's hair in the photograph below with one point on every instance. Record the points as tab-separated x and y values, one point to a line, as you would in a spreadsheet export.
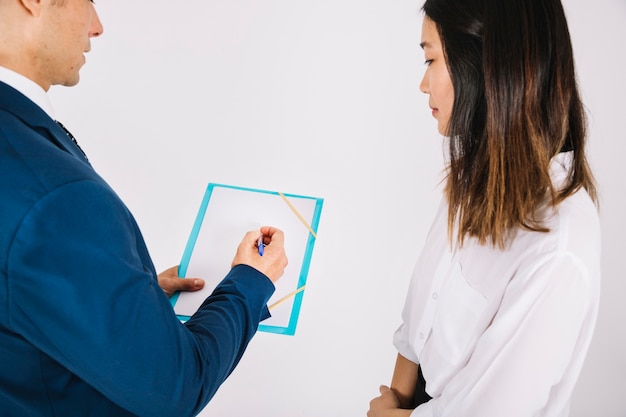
516	105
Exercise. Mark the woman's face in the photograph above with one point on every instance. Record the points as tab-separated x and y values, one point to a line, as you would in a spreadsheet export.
436	82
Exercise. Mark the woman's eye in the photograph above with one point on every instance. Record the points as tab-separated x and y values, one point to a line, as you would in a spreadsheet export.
428	62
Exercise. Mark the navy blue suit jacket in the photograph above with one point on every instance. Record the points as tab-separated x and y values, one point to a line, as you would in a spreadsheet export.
85	330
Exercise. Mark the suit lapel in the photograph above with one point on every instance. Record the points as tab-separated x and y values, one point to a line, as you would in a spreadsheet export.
14	102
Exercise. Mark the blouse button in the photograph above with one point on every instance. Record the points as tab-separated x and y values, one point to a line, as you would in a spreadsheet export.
435	295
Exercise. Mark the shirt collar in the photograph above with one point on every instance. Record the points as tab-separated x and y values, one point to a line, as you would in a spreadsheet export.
29	88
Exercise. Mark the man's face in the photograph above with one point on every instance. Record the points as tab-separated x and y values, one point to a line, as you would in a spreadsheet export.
66	29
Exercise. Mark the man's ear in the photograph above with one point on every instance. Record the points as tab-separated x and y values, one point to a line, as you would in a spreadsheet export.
32	7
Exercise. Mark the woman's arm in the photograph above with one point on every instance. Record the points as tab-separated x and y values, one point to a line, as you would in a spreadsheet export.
397	401
404	381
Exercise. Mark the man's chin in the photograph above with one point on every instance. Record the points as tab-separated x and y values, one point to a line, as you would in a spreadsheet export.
71	82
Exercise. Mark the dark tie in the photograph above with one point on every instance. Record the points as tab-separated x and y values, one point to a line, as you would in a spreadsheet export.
69	135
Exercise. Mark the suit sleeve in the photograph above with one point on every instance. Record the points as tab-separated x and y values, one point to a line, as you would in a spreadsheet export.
83	291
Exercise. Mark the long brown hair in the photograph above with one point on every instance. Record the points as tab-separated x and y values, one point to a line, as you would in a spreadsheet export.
516	105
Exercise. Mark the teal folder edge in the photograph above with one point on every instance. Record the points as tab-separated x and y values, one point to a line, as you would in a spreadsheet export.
290	329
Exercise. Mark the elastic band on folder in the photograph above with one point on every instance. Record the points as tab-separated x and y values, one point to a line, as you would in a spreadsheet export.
285	298
298	214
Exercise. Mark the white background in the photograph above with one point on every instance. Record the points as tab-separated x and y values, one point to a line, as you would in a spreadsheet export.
320	98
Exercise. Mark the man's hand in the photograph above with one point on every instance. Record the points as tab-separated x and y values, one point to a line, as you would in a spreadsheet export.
273	261
170	282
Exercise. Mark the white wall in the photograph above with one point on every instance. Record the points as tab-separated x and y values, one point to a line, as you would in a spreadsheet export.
319	98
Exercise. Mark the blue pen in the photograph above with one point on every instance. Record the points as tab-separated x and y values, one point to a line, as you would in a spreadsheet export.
260	245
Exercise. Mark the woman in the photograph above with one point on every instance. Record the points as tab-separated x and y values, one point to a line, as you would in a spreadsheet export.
504	298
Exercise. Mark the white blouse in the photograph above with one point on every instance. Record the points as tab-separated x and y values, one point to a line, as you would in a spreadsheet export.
505	332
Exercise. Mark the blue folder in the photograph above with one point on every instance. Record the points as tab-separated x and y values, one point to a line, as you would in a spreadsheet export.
227	212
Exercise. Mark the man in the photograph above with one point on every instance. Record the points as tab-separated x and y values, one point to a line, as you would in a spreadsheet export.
85	329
